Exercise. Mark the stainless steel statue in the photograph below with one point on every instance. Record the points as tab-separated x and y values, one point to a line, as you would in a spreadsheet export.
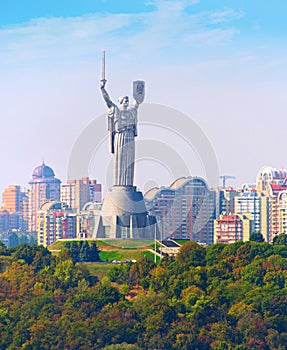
124	214
122	125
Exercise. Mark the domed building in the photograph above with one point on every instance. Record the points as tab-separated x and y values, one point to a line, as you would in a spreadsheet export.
43	187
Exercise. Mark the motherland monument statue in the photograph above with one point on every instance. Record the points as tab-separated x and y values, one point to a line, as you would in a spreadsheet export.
124	214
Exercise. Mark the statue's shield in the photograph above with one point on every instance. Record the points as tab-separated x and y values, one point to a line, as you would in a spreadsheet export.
139	90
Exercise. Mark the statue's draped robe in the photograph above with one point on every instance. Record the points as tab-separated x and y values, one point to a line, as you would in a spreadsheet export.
123	129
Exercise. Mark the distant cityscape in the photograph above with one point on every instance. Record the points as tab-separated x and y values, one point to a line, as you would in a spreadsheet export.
187	209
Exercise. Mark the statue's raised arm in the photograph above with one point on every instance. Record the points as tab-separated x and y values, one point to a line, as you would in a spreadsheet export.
111	114
105	94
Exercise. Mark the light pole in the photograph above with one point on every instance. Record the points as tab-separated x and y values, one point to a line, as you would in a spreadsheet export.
155	242
161	233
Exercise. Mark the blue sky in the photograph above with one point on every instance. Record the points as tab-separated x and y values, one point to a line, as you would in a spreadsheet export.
224	63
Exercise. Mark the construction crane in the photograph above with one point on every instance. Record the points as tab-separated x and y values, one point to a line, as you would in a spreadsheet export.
224	178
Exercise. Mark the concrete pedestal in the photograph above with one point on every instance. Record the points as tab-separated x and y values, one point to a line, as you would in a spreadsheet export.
124	215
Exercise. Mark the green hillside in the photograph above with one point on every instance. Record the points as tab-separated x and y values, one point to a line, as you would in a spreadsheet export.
109	244
114	249
218	297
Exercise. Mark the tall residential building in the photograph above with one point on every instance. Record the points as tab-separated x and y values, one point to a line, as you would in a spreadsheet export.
25	210
68	194
4	221
76	193
271	182
257	206
43	187
225	200
184	210
15	202
11	198
55	221
232	228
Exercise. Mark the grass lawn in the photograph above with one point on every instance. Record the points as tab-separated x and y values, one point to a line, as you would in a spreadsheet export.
121	255
126	243
99	269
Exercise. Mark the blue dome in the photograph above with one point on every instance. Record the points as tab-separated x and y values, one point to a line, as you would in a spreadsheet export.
43	171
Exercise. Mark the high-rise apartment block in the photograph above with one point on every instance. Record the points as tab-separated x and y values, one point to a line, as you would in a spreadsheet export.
232	228
76	193
256	205
225	200
4	220
11	199
55	221
43	187
185	210
271	183
14	201
282	212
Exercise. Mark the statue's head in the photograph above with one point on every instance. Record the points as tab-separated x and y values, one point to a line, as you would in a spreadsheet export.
124	101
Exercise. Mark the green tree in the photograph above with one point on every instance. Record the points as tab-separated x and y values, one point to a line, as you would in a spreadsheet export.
35	255
140	270
191	254
190	295
280	239
119	274
94	253
84	251
70	273
213	253
106	293
275	340
2	246
74	249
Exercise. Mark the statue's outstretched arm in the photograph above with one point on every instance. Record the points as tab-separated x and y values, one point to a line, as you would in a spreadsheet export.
105	94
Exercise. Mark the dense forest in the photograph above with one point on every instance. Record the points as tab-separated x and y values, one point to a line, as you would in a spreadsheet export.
219	297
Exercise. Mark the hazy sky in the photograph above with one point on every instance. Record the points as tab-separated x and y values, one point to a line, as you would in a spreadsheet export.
223	63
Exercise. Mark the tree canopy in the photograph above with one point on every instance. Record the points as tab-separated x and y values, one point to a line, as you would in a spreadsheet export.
218	297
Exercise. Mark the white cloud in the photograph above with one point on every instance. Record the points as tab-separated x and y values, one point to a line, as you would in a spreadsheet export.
46	38
212	37
169	25
225	16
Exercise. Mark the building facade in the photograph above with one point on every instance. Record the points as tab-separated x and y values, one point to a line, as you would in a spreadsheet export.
14	201
272	182
255	205
76	193
185	210
4	220
232	228
55	221
43	187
